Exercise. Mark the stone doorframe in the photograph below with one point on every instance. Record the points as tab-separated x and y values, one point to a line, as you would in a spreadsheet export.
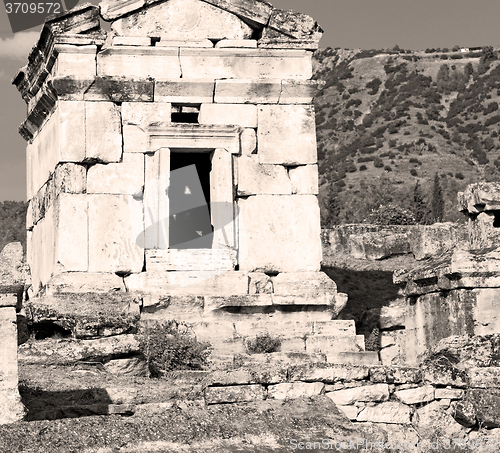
220	140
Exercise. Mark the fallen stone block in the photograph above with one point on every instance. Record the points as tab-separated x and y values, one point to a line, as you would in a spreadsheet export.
133	366
387	412
416	395
366	393
295	390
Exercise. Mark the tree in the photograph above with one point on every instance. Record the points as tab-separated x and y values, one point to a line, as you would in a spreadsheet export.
420	208
333	206
437	201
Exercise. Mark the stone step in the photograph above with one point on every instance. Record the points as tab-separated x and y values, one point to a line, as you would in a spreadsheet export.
328	344
354	358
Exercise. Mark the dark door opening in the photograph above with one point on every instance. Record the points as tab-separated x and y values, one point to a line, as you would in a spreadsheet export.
190	226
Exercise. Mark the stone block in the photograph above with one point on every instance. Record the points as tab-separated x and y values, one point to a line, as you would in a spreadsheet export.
146	114
131	40
183	43
164	307
278	233
135	139
449	393
486	405
416	395
246	63
298	91
387	412
260	179
113	9
156	62
432	240
121	217
329	344
253	12
240	43
76	61
120	89
431	419
126	177
286	135
85	282
10	400
218	303
71	232
234	394
70	351
188	282
303	283
366	393
247	91
248	141
185	91
329	374
103	138
304	179
183	20
131	366
294	390
72	130
71	88
351	412
354	358
190	260
237	114
70	178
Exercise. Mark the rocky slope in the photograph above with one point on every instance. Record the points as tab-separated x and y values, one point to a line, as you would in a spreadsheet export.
387	120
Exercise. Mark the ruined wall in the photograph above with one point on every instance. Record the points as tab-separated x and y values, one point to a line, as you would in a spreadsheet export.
12	282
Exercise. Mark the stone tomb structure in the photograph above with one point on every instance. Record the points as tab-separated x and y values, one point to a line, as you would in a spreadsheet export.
186	109
457	292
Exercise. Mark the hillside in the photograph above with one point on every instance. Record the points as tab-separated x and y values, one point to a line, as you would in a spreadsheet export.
389	120
12	223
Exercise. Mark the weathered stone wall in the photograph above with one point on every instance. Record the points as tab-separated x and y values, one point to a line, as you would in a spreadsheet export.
12	281
377	242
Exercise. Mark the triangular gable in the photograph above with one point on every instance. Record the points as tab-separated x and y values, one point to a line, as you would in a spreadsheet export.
183	20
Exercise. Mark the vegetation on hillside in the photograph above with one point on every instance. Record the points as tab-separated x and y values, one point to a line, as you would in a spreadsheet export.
400	133
13	222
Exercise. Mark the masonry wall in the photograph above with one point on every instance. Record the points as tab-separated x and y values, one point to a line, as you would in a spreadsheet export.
12	278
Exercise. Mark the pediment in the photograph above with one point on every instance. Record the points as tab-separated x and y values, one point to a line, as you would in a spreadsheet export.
183	20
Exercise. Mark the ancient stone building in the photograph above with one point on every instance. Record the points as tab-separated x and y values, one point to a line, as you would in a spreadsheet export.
172	171
457	292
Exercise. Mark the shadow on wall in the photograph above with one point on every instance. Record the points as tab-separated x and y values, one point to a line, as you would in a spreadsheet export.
48	405
368	292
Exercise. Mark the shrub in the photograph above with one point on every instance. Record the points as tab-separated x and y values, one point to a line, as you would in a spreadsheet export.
413	172
169	346
377	162
387	168
263	343
362	168
459	175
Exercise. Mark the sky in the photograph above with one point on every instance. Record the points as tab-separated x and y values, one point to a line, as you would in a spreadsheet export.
349	24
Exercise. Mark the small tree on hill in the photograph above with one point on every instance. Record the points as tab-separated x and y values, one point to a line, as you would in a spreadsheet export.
437	201
420	208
